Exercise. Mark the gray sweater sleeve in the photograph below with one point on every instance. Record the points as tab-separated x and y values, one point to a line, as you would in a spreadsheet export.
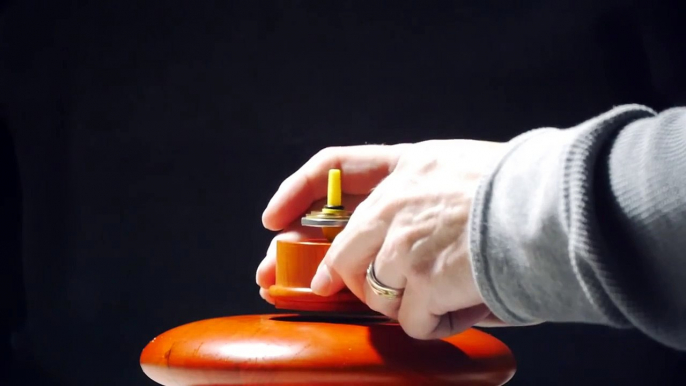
588	224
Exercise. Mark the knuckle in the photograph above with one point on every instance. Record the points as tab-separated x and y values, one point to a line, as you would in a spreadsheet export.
363	208
375	306
335	261
420	158
325	155
286	182
390	207
386	311
406	244
400	242
429	164
419	269
412	330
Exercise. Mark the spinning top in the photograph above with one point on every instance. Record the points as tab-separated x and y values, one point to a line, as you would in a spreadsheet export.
297	261
333	217
343	343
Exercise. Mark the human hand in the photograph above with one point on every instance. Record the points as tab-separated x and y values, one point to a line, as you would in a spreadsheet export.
305	190
411	210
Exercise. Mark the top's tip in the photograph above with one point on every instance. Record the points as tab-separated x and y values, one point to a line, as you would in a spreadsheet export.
334	191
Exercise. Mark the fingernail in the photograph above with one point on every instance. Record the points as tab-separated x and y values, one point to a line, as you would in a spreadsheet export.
321	280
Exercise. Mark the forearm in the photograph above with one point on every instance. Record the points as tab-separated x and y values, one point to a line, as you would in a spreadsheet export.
585	224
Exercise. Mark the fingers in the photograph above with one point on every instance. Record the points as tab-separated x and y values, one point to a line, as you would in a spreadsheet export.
362	168
427	309
417	310
264	293
420	323
413	315
458	321
266	271
422	254
346	262
388	272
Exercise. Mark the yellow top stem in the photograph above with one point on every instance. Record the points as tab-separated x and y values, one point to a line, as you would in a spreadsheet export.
334	191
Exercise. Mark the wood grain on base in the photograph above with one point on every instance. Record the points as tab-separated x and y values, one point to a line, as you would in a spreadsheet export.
320	350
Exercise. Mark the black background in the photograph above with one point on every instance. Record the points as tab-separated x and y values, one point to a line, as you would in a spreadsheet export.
141	140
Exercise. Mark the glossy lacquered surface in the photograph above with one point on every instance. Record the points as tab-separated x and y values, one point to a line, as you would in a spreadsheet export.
320	350
296	264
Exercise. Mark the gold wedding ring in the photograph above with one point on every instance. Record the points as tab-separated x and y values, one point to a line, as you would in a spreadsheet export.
378	287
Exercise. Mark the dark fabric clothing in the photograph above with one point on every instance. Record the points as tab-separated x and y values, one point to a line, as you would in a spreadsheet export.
585	224
149	135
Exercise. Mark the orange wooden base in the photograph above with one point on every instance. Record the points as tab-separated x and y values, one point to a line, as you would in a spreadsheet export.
320	350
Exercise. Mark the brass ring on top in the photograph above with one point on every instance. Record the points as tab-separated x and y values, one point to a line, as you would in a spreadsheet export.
379	288
323	219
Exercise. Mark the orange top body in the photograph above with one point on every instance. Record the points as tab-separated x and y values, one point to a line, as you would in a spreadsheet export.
296	264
